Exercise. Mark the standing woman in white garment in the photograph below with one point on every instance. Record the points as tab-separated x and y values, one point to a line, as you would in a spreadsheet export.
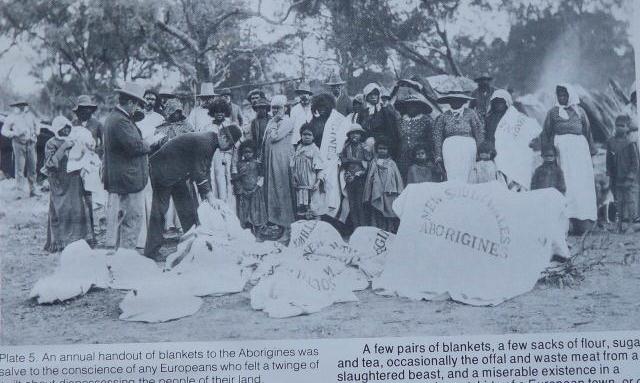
567	129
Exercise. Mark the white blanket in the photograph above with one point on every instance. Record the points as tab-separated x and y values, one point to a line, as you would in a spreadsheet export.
514	157
479	244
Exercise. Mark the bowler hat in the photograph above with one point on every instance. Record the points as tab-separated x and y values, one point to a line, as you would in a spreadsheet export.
223	92
133	90
84	100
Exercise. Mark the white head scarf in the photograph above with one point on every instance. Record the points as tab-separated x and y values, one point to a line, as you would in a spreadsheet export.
368	89
58	124
503	94
574	100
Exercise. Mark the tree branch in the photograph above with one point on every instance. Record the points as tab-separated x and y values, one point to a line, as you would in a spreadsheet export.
178	34
259	14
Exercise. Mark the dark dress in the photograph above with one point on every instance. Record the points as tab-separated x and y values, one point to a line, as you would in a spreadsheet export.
548	175
251	206
354	159
69	214
382	123
414	132
419	173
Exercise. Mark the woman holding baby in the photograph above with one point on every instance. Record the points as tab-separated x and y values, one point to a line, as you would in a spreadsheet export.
69	211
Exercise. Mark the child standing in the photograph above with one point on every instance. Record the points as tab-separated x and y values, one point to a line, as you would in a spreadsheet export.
485	169
382	186
549	174
622	169
306	167
354	160
423	169
252	210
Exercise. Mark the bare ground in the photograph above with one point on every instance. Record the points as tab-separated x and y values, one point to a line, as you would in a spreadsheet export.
606	299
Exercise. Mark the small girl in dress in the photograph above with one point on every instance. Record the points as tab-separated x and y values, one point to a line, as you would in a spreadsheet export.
251	206
423	168
485	169
306	167
382	186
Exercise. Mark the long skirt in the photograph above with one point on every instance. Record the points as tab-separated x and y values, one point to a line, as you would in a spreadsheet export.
459	156
69	214
574	159
357	210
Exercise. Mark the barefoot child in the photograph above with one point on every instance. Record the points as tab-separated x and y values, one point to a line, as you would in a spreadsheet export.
622	169
306	169
354	160
252	210
382	186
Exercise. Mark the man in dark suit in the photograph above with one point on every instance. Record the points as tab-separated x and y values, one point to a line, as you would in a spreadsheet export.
125	168
175	167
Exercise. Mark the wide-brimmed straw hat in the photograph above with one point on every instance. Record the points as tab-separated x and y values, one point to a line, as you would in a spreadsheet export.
303	88
414	98
134	90
84	101
206	90
445	98
262	103
483	76
255	91
335	79
355	128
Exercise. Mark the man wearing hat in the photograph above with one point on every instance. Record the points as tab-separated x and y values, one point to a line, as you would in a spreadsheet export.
301	112
254	95
336	86
84	110
125	168
482	95
199	117
236	113
23	128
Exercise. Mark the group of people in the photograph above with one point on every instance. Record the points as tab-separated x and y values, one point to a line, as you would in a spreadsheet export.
320	156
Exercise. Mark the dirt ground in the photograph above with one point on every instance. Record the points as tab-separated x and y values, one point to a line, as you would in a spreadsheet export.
606	299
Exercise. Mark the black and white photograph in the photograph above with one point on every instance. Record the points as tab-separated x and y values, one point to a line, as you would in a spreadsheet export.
214	170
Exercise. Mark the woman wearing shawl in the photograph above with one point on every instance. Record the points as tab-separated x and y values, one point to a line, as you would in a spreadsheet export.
456	135
277	151
379	121
69	213
416	128
567	129
512	132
